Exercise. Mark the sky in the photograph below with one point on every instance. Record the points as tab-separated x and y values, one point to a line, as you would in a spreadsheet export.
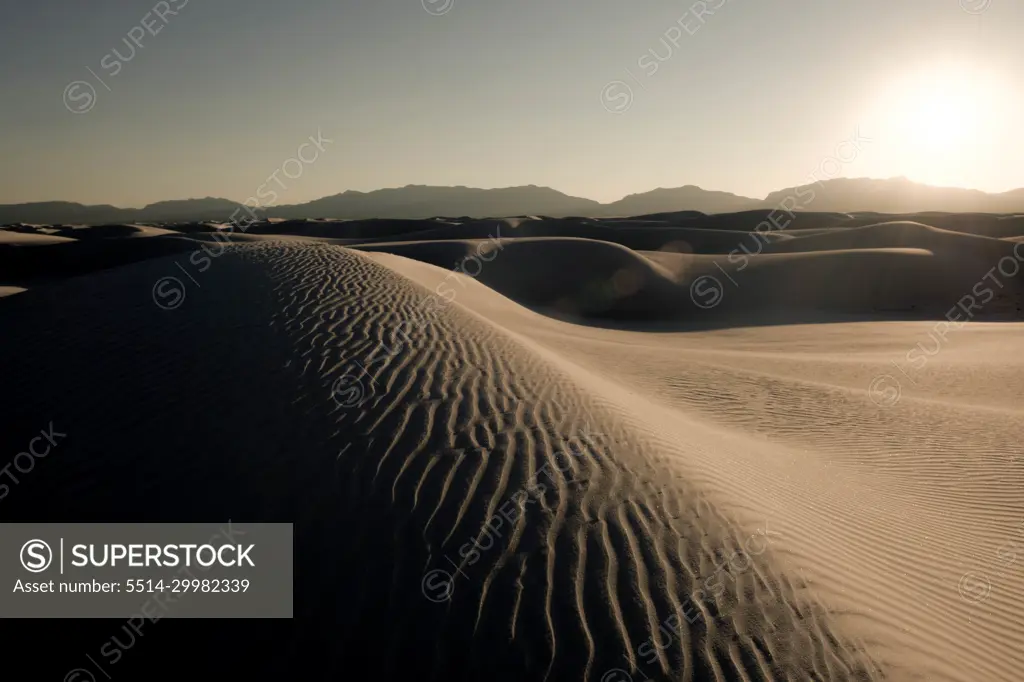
595	98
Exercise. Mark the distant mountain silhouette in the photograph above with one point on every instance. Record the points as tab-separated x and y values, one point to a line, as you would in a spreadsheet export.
188	209
423	201
690	198
896	195
68	213
55	212
845	195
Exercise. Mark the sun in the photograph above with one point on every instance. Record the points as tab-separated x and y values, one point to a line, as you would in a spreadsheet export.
938	110
936	121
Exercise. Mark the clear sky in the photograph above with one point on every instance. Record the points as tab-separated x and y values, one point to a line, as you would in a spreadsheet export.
596	98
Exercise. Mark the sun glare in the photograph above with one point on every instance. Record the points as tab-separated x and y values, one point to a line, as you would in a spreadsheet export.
938	121
940	110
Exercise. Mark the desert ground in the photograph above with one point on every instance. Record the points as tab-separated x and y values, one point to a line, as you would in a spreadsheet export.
747	446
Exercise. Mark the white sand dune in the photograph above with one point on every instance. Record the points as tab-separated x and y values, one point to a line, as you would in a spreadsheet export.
907	518
9	239
486	485
10	291
618	283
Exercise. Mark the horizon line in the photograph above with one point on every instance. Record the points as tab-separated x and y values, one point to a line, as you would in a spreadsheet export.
573	196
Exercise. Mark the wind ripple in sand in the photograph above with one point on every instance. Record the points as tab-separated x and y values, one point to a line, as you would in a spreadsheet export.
597	556
627	550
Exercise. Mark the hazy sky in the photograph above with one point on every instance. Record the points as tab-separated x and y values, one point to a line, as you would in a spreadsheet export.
494	93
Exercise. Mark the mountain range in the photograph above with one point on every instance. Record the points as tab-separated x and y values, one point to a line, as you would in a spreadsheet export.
844	195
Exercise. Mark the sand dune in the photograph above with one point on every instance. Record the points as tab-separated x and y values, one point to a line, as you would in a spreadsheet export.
556	462
10	238
621	284
895	234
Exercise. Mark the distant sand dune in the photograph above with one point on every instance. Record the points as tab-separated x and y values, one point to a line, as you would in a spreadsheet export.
11	239
620	284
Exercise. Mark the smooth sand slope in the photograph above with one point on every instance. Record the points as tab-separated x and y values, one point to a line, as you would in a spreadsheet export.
495	478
